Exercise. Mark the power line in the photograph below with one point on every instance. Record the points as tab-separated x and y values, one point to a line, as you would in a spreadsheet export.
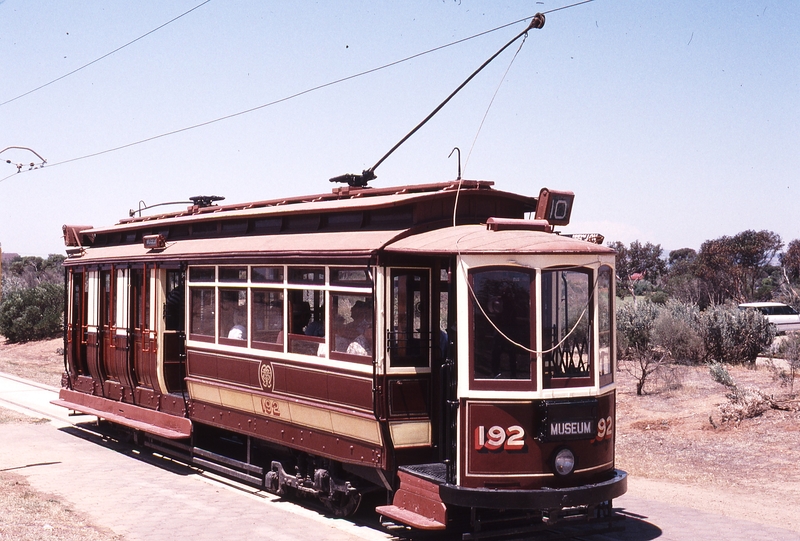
104	56
295	95
287	98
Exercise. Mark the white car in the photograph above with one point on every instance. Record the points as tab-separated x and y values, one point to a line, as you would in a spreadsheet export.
784	317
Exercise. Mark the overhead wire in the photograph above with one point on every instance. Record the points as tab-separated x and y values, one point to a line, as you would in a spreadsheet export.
473	295
483	120
105	55
292	96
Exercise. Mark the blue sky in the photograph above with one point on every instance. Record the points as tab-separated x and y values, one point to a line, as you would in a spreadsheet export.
673	122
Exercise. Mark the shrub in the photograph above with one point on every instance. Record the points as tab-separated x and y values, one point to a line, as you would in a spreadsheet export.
676	330
635	323
721	375
731	335
743	402
789	350
32	313
659	297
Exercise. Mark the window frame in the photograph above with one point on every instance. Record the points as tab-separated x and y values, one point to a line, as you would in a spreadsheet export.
609	377
530	384
563	382
285	283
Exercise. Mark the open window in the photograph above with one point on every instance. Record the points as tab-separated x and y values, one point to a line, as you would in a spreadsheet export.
306	310
409	331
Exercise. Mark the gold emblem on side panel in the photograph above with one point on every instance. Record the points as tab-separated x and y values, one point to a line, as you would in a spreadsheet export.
266	376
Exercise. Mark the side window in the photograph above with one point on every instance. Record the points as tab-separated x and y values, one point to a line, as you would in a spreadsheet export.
203	307
232	319
233	315
352	324
605	313
267	318
444	307
566	330
409	318
174	307
501	324
137	309
306	311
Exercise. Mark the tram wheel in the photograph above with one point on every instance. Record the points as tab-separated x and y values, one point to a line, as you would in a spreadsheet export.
344	504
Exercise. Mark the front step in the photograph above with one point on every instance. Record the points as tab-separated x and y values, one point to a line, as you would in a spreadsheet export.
416	502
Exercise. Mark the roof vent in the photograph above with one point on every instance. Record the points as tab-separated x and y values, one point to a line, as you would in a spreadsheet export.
515	224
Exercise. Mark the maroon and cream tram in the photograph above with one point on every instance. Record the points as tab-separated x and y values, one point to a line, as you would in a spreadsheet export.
428	341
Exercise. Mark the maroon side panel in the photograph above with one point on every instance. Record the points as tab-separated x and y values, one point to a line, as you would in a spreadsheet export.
408	397
350	391
309	383
145	359
222	368
342	388
93	358
146	398
303	439
122	369
84	384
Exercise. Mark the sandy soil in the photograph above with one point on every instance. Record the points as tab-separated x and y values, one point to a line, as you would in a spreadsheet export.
677	450
38	361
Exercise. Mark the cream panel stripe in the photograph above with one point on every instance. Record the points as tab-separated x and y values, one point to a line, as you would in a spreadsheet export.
410	433
314	417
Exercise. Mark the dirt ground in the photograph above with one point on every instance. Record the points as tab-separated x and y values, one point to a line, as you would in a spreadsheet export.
673	438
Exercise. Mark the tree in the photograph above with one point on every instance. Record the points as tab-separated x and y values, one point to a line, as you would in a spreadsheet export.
735	267
635	324
790	261
32	313
636	262
789	291
680	280
31	271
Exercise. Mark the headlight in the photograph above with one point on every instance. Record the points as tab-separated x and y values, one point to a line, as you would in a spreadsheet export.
564	462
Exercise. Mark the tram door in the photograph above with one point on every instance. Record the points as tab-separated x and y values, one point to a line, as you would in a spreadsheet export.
105	335
142	355
409	388
173	360
76	324
90	330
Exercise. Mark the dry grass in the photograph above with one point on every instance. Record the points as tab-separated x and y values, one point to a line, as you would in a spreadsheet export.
678	434
8	416
32	516
38	361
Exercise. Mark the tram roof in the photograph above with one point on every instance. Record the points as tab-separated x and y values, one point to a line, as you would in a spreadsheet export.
340	199
255	231
479	239
294	246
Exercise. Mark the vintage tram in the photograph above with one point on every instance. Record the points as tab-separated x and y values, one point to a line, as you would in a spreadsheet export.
428	341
